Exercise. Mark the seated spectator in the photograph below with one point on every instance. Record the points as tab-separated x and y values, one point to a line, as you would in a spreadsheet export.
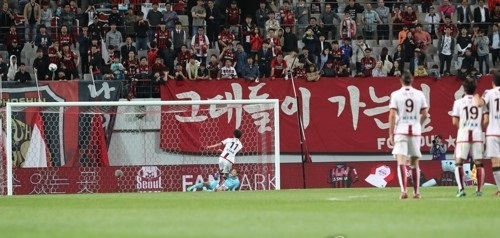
291	60
312	74
192	69
345	70
278	67
203	72
228	71
213	67
422	38
379	70
306	57
367	64
328	70
21	75
14	48
13	67
434	72
396	69
420	71
41	66
251	71
179	73
325	56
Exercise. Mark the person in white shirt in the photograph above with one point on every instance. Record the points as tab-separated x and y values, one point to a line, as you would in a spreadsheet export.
432	19
408	110
466	116
231	147
228	71
446	48
495	45
491	120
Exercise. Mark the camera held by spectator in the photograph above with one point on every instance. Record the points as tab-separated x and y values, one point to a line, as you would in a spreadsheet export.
438	149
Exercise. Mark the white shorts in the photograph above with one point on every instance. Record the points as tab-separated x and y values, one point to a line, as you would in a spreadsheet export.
492	147
407	146
462	150
225	166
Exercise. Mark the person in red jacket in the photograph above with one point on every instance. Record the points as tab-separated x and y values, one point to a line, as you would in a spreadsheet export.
278	66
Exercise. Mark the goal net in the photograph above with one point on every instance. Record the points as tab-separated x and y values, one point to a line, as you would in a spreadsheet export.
136	146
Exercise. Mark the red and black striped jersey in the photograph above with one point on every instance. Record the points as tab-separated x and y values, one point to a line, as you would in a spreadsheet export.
183	58
226	37
163	39
65	39
233	16
68	60
53	58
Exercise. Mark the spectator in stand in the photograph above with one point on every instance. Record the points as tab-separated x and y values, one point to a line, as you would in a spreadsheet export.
213	67
127	47
313	25
464	42
169	17
367	64
22	76
14	48
446	49
347	27
495	14
89	15
250	71
426	5
385	58
495	45
246	31
302	15
361	46
141	29
256	41
417	59
233	16
291	60
265	56
322	45
482	17
432	19
403	34
347	51
41	66
370	19
336	54
162	38
203	72
117	69
383	13
179	6
446	9
200	45
310	41
278	66
114	38
468	61
409	47
353	9
54	53
482	43
344	71
183	56
12	68
306	57
46	15
84	41
6	19
65	38
464	15
213	20
192	69
272	23
397	20
261	16
379	70
324	57
422	38
228	71
447	23
179	38
67	18
32	17
154	17
409	16
396	69
129	20
398	54
274	42
327	21
312	73
69	61
43	40
96	28
131	65
228	54
328	70
241	59
115	18
420	71
179	73
3	70
225	38
315	7
287	16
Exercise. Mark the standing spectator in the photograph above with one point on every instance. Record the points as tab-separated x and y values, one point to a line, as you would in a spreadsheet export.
302	15
46	16
403	34
446	9
447	23
225	38
261	16
192	69
179	38
409	48
417	60
41	66
199	13
272	23
495	45
84	41
353	9
306	57
426	5
361	46
397	21
438	149
464	42
315	7
322	44
43	40
379	70
162	38
482	17
290	41
3	70
6	19
241	59
213	20
482	43
246	31
228	54
170	17
32	16
464	15
115	18
370	19
313	25
14	48
327	18
213	67
96	28
179	6
89	15
67	18
274	42
154	18
367	64
422	38
65	38
383	13
256	41
446	48
233	17
410	17
287	16
347	27
200	45
265	57
278	66
129	20
69	61
291	60
310	41
432	19
114	37
326	56
141	28
347	51
495	14
398	54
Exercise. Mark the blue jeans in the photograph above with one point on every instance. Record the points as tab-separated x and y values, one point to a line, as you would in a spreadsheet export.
484	59
141	43
33	28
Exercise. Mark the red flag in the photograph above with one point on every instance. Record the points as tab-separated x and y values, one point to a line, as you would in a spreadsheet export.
97	149
37	155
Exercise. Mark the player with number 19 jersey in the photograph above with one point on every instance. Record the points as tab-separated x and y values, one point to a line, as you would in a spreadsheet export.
492	102
470	133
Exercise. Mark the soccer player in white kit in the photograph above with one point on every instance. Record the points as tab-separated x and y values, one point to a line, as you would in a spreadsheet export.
467	117
408	111
231	147
492	123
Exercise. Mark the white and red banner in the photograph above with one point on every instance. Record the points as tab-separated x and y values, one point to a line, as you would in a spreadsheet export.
340	115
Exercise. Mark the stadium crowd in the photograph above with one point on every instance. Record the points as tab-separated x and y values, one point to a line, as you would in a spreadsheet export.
145	45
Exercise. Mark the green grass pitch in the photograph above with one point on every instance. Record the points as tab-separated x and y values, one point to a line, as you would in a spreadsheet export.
307	213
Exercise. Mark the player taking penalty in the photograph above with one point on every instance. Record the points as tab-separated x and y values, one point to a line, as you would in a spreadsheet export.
231	147
491	99
411	109
467	117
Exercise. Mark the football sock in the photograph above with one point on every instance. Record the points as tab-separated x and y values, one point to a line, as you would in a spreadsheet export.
415	175
480	178
459	176
496	175
402	177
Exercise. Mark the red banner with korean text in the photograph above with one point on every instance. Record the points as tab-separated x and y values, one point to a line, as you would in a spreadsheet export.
346	115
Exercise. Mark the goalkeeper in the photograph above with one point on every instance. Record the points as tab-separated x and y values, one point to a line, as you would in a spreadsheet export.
230	184
209	186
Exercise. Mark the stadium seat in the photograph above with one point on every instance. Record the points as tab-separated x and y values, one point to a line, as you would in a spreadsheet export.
385	43
142	53
395	43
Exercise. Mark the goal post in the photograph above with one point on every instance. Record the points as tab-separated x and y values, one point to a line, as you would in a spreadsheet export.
135	146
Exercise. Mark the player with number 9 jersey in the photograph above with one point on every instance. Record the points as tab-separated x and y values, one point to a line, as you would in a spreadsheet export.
408	103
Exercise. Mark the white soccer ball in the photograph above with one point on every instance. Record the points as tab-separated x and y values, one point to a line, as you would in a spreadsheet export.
52	67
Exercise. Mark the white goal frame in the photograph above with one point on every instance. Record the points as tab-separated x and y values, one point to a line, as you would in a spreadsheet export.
9	110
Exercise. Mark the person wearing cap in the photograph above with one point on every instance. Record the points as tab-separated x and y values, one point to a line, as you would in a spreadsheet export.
447	23
22	76
417	59
233	15
464	15
482	16
446	9
432	19
15	48
438	149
